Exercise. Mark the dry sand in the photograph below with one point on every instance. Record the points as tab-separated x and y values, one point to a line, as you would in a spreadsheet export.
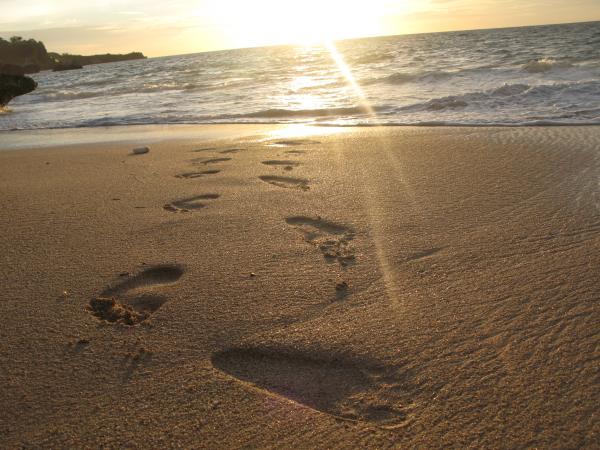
372	288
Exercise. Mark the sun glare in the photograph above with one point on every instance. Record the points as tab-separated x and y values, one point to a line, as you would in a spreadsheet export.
266	22
347	73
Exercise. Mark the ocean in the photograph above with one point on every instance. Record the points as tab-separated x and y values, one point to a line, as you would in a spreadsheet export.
540	75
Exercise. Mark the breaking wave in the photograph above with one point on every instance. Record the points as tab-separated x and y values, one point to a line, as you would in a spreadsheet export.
545	65
303	113
408	77
522	98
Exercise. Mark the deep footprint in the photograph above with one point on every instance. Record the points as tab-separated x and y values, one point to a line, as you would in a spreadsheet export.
197	174
346	390
286	182
132	301
190	203
286	163
332	239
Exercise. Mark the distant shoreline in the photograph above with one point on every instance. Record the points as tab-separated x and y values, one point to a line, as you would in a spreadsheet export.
32	56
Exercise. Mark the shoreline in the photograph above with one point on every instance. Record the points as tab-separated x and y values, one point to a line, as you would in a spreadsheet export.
153	133
56	137
292	286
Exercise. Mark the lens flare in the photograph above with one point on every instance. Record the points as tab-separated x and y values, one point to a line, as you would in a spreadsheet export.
347	73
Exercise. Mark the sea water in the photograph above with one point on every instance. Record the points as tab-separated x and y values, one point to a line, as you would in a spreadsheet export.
515	76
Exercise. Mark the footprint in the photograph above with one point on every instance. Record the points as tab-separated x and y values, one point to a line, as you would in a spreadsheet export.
347	390
286	182
294	152
231	150
215	160
341	290
207	149
290	142
332	239
196	174
208	161
288	164
190	203
132	301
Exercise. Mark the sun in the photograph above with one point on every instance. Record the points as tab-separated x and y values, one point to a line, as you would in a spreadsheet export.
272	22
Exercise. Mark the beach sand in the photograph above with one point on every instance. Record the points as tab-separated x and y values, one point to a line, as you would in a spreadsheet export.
364	288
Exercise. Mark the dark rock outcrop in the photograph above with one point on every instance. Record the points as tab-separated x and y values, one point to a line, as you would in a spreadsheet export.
31	68
13	84
11	69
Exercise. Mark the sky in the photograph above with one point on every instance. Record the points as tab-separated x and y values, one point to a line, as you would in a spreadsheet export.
169	27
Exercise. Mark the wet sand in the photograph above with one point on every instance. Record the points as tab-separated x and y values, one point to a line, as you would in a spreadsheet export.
365	288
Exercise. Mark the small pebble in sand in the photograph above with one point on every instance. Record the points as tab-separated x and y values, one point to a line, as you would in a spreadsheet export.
252	274
140	150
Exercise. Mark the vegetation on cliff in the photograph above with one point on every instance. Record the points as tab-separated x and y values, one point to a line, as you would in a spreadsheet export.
33	56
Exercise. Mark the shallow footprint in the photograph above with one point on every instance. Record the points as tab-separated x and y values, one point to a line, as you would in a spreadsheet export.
230	150
208	161
133	300
332	239
286	182
294	152
206	149
286	163
348	390
197	174
190	203
215	160
290	142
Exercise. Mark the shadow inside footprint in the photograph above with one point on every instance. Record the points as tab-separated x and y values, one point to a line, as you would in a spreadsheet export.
206	149
133	300
281	162
230	150
197	174
286	182
153	276
215	160
294	152
291	142
343	389
332	239
287	164
190	203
